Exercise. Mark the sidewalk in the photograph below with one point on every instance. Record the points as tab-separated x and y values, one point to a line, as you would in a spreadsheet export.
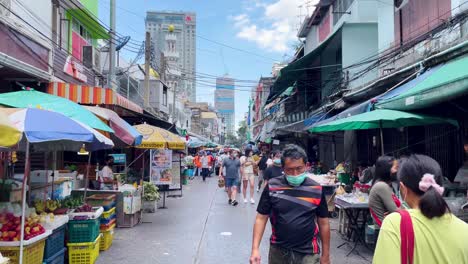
201	228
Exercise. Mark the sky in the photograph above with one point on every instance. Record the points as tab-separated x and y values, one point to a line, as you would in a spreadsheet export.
265	31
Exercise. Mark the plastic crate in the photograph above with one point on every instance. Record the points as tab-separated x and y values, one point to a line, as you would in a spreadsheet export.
107	221
107	238
83	231
109	206
106	227
58	258
101	200
55	242
83	253
108	214
32	254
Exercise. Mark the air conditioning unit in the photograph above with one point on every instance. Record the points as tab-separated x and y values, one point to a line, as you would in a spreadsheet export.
91	58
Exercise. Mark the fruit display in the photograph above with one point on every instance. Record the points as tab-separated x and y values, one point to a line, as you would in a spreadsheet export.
11	227
86	208
71	202
48	206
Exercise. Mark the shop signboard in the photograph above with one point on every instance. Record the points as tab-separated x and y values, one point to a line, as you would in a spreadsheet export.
119	158
161	166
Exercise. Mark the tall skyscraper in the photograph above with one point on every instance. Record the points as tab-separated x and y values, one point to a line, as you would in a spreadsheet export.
173	34
225	102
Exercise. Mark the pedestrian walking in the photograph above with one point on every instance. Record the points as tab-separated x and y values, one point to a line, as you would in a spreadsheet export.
198	165
248	176
262	165
298	213
231	177
275	170
431	233
205	165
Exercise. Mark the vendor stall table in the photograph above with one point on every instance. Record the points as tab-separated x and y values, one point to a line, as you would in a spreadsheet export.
357	213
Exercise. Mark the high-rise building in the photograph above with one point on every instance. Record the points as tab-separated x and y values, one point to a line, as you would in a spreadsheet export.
173	34
225	102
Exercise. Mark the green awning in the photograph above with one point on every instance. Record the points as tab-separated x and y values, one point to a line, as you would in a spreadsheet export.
90	22
380	119
447	83
291	73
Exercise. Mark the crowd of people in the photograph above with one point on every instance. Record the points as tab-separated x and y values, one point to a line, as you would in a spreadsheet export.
418	227
415	224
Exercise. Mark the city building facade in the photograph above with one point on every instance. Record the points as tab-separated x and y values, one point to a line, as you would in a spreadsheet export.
174	34
225	102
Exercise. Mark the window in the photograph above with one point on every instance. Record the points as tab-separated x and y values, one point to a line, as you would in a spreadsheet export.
164	99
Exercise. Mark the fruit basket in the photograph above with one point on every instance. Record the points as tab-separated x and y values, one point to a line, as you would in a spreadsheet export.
83	253
90	213
107	238
58	258
83	231
33	253
55	242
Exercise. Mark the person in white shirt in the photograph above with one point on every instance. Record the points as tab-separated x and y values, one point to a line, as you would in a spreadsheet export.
106	175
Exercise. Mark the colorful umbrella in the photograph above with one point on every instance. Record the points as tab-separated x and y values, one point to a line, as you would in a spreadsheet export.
123	130
32	98
58	133
155	137
9	135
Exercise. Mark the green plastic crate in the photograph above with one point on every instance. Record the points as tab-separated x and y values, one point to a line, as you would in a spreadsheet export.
83	231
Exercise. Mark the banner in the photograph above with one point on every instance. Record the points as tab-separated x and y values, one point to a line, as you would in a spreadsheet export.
161	167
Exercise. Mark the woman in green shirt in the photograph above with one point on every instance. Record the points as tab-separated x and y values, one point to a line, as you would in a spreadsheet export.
439	236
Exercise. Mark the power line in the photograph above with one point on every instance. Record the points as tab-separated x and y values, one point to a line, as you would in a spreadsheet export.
212	41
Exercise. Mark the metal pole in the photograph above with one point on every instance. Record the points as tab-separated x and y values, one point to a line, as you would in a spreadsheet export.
381	139
113	39
27	171
147	68
87	176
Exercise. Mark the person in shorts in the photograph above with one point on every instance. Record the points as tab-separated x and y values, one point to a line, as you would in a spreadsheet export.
231	165
248	175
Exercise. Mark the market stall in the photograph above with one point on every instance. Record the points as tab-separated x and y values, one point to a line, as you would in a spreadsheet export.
165	162
26	236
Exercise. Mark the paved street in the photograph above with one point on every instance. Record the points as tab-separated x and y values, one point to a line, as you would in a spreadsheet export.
201	228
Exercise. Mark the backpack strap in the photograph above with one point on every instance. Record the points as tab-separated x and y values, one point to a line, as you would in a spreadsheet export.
407	238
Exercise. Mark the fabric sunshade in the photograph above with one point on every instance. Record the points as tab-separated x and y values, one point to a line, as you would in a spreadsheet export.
448	82
9	135
32	98
123	130
380	119
158	138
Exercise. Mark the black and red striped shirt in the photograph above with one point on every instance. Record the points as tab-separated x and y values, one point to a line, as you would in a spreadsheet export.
293	212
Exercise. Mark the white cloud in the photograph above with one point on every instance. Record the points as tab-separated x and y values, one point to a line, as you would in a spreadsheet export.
275	28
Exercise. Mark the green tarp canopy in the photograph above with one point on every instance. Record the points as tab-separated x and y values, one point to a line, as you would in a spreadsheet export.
32	98
380	119
447	83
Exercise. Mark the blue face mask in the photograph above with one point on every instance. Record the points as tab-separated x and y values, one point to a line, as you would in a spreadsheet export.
296	180
277	161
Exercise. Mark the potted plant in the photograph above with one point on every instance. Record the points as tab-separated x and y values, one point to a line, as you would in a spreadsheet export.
150	197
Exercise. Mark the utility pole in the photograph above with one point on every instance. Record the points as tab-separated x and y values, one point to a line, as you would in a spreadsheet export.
113	39
147	68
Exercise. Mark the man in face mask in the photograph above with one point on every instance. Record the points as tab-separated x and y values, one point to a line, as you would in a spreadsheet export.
298	211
